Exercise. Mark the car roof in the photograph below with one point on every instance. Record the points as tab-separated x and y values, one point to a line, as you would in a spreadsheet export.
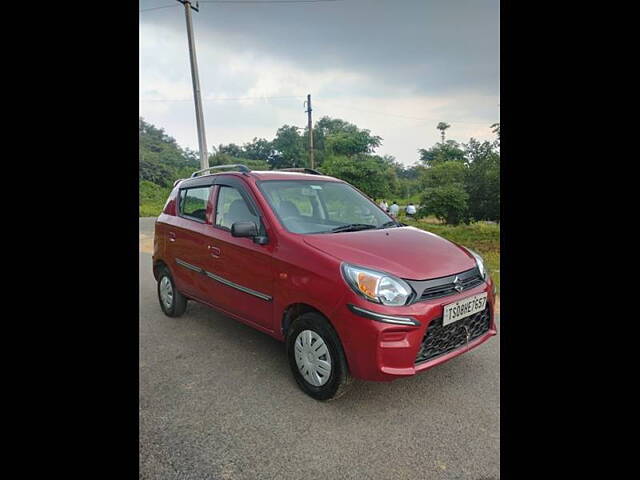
259	175
279	175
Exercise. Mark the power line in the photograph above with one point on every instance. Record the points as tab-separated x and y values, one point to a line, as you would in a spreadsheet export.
158	8
215	99
253	2
269	1
324	101
396	115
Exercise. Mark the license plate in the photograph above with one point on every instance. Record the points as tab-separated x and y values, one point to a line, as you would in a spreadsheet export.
463	308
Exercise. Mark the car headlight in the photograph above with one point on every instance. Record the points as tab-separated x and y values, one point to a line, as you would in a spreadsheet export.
479	262
375	286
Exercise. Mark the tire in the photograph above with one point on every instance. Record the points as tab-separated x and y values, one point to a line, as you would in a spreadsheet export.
176	302
303	334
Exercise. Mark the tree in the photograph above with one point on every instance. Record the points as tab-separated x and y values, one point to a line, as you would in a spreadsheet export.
483	180
226	159
495	128
333	136
442	126
457	182
369	173
444	194
257	149
288	148
351	143
442	152
161	160
231	149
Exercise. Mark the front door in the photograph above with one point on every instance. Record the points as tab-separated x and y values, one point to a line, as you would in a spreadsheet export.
239	269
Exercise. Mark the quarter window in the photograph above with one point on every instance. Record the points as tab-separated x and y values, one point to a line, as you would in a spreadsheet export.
193	202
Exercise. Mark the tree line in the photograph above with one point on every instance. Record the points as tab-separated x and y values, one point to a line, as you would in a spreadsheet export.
457	183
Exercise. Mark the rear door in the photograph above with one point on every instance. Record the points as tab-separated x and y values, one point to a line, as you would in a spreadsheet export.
187	238
239	269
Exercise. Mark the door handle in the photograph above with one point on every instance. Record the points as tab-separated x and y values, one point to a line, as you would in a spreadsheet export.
214	251
172	237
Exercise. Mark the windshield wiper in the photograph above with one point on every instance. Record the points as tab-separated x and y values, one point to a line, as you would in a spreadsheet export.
392	223
352	227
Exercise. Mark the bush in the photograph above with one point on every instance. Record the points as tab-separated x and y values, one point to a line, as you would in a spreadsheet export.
446	202
445	195
152	198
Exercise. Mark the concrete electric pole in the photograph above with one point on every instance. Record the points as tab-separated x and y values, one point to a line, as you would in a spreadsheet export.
308	110
202	141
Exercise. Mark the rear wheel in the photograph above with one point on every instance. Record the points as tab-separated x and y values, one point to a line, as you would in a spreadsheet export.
172	302
316	357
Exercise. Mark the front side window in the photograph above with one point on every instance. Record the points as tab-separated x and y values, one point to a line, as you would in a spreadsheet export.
231	207
306	206
193	202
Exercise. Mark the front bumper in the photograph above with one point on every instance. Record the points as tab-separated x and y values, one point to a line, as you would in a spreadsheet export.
380	351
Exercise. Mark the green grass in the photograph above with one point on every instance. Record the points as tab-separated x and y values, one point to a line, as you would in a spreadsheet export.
481	237
152	198
404	200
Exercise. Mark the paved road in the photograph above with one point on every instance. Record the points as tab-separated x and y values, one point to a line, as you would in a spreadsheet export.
217	401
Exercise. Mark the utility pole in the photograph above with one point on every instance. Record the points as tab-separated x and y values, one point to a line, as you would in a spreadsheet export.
308	110
202	141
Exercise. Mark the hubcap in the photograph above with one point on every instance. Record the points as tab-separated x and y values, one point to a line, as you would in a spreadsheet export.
166	292
312	357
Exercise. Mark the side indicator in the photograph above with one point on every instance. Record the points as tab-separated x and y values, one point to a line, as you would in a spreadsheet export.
283	276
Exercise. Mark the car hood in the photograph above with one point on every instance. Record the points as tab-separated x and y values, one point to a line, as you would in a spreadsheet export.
406	252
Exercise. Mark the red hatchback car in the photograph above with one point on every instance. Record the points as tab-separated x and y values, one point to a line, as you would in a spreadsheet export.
313	262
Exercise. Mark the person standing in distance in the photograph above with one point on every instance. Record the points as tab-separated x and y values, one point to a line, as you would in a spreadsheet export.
411	210
394	209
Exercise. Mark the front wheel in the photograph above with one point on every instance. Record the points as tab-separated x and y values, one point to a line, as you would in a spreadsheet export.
316	357
172	302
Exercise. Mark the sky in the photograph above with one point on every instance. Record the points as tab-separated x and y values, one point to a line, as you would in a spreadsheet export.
395	67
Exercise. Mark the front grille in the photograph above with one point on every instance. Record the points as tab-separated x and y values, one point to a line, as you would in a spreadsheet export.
442	287
444	339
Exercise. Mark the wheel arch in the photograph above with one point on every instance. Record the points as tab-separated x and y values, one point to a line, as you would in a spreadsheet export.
294	310
157	264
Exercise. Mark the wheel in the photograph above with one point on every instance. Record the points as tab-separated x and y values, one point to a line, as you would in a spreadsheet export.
172	302
316	357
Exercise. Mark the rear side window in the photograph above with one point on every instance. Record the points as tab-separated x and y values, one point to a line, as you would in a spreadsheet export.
193	202
231	208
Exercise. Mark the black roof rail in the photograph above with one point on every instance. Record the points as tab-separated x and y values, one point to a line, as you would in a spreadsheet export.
240	168
310	171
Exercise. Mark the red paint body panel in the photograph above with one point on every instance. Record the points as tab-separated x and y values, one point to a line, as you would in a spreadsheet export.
406	252
305	269
374	350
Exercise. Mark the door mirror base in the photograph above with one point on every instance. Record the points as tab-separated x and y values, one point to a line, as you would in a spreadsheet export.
261	239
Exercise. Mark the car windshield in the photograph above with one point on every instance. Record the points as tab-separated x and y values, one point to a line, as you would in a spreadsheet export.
306	206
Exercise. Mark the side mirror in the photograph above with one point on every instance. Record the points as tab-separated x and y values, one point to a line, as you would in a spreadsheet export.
244	229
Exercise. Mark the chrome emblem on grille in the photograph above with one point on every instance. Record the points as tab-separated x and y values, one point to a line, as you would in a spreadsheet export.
457	284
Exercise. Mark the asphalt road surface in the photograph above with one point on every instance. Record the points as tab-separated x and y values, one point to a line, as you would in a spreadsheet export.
218	401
